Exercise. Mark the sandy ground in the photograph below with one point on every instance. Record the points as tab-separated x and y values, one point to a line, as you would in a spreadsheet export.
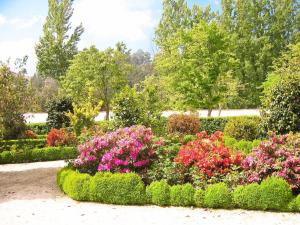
29	196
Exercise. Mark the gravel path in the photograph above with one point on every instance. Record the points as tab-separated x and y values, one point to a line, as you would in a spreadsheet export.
29	196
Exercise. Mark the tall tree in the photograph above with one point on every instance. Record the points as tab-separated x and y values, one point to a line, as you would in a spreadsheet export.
261	30
56	46
104	72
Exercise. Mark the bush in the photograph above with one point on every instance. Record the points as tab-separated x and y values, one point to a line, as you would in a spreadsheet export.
129	108
29	134
60	137
275	193
38	128
242	128
213	124
294	204
21	144
127	149
123	189
183	124
182	195
277	156
158	193
217	196
247	197
57	110
38	154
244	146
199	198
77	186
209	157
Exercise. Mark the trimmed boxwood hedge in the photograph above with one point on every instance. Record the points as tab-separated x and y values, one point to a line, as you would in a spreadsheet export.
38	154
128	189
6	145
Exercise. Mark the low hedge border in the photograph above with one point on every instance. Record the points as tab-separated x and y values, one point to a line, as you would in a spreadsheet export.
128	189
6	145
38	155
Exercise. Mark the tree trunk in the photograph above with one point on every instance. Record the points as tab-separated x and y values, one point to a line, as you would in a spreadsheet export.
107	112
209	112
220	110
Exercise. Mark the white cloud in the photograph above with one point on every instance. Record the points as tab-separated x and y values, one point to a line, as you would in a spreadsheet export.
2	20
21	23
18	49
107	22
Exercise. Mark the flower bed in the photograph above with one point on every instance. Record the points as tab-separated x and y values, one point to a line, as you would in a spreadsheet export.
128	189
37	154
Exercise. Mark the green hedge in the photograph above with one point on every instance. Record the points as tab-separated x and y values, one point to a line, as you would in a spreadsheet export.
38	128
38	154
128	189
6	145
242	145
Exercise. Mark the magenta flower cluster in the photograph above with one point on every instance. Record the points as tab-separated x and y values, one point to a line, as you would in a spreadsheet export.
125	150
279	156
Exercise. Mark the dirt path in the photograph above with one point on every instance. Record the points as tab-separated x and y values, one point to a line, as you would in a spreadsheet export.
29	196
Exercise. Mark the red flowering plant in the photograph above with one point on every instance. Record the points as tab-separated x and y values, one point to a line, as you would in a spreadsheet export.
209	160
60	138
29	134
124	150
277	156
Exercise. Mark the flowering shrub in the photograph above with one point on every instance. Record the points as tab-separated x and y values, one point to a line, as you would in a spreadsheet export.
278	156
60	138
210	160
208	153
31	135
125	150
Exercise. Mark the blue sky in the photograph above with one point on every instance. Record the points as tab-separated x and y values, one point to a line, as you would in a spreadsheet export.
105	21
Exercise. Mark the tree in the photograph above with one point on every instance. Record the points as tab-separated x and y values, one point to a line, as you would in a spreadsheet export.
198	62
57	47
103	71
13	102
261	30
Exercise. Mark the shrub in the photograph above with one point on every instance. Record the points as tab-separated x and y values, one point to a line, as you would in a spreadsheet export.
278	156
158	193
294	204
125	150
217	196
275	193
242	128
38	128
199	198
182	195
243	146
76	185
129	108
213	124
60	138
30	135
209	156
61	175
124	189
247	197
57	110
21	144
183	124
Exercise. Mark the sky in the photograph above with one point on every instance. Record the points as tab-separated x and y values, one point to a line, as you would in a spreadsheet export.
105	22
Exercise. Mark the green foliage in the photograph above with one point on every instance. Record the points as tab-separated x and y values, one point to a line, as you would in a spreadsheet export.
57	46
158	193
129	108
275	193
182	195
199	198
294	204
104	72
213	124
57	110
183	124
38	128
83	115
22	144
61	175
248	197
218	196
281	100
76	185
37	155
124	189
243	128
13	102
243	146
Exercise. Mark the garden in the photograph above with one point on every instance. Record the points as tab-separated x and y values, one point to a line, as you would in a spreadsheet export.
136	156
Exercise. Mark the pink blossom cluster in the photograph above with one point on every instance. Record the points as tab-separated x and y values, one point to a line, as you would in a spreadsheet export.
125	150
279	156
